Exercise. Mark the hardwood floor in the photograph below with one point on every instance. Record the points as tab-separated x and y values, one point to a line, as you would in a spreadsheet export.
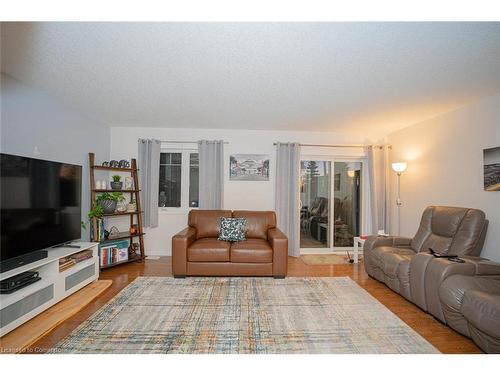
442	337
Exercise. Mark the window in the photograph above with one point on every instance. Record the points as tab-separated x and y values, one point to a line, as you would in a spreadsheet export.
170	179
178	179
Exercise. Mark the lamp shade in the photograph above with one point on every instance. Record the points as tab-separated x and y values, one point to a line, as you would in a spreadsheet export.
399	167
351	173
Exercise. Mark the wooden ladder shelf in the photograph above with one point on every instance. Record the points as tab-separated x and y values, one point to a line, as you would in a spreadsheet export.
137	214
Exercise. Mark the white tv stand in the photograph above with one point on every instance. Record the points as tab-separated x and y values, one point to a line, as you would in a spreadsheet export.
22	305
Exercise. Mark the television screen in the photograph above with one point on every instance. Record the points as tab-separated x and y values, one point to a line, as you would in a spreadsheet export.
40	204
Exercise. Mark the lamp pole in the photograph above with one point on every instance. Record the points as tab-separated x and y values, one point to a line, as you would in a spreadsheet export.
398	203
399	168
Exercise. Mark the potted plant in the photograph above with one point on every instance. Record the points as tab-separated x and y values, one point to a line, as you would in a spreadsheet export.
116	184
132	207
96	212
108	201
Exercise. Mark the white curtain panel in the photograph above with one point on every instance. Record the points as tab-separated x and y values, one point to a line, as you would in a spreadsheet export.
149	175
211	172
287	193
379	185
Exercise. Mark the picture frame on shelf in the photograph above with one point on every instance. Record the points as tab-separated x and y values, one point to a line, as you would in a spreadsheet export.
128	183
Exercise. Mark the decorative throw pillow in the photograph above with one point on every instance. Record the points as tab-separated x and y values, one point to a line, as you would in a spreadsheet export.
232	229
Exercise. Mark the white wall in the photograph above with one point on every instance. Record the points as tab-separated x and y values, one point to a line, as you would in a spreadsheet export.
445	166
237	194
36	125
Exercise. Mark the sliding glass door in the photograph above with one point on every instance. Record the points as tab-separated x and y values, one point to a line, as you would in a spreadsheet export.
347	203
330	197
315	190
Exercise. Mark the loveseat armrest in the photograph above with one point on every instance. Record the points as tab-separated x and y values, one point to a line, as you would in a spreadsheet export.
180	243
393	241
483	266
279	243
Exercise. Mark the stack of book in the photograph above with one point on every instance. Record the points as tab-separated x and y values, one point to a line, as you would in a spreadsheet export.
65	263
81	256
70	261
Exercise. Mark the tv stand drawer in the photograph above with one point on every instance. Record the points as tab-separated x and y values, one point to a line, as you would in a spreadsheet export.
25	305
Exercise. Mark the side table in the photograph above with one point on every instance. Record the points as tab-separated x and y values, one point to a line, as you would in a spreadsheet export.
358	242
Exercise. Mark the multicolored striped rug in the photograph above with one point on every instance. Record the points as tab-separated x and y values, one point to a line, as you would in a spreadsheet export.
244	315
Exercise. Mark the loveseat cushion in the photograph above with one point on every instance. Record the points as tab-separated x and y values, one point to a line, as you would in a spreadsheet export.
391	259
208	250
206	222
258	222
253	250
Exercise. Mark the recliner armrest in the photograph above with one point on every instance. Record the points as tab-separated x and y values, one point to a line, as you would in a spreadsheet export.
279	243
404	242
394	241
483	266
180	243
435	273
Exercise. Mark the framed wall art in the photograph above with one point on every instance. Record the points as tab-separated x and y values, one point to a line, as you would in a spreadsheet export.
249	167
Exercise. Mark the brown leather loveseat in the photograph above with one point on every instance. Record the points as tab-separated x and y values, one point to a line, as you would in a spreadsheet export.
196	251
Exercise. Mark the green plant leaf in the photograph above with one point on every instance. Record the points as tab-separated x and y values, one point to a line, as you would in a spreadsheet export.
114	196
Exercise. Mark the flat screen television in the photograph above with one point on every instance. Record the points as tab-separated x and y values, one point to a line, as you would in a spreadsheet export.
40	207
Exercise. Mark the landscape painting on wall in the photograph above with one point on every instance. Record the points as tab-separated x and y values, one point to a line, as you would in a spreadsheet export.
249	167
491	169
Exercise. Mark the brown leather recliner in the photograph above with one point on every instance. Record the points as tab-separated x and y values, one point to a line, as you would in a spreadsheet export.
196	251
471	304
408	268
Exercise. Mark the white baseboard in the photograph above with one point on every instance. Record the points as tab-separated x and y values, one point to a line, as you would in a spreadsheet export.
341	251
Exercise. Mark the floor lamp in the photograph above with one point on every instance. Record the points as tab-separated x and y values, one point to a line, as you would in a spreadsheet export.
399	168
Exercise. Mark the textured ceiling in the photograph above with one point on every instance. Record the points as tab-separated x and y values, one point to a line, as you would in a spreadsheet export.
361	77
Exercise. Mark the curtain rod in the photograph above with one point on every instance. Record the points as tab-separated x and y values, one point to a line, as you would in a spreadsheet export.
315	145
301	144
339	146
163	141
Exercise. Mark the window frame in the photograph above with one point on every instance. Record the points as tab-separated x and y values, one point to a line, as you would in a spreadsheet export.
185	177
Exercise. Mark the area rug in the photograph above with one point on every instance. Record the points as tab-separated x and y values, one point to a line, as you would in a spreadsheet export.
243	315
325	259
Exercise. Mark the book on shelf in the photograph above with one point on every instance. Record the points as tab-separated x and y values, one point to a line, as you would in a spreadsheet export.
71	260
65	263
81	256
113	252
100	228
